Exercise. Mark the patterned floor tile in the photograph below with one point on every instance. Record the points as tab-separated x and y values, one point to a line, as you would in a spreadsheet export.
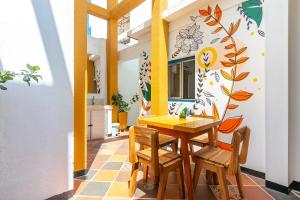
109	176
126	166
97	189
113	165
118	189
89	175
79	185
123	176
87	198
106	175
118	158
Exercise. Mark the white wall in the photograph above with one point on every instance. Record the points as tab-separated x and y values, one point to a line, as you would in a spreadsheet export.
277	92
128	81
36	123
128	86
294	91
141	14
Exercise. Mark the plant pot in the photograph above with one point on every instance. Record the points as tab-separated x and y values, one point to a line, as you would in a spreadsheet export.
123	117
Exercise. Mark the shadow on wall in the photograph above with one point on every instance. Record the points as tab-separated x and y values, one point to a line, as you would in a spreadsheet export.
36	125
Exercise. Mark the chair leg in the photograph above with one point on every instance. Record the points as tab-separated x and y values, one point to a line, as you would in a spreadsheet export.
238	177
162	185
191	149
179	172
197	173
175	147
222	182
145	173
209	175
134	172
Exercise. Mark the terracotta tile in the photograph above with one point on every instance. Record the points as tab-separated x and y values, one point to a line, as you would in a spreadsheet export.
106	175
87	198
258	181
123	176
96	165
102	158
203	192
172	191
79	186
118	158
245	179
118	189
106	152
255	192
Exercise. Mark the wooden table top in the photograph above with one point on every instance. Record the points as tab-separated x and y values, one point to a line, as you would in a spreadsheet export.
189	125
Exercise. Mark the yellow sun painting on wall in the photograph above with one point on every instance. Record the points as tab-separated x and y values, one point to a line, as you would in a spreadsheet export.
206	58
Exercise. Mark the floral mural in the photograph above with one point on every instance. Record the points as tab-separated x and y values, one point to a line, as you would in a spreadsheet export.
188	39
145	82
220	61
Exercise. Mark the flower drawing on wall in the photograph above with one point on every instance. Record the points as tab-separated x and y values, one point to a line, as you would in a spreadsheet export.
145	82
234	58
188	39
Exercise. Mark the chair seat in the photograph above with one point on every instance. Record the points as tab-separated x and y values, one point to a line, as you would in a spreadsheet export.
214	154
165	157
165	140
202	139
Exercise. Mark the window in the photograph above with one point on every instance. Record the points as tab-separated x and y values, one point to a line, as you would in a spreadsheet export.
182	79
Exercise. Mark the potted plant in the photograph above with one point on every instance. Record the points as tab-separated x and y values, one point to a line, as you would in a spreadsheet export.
123	108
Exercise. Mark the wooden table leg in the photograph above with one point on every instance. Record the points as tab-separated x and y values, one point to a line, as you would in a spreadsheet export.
187	168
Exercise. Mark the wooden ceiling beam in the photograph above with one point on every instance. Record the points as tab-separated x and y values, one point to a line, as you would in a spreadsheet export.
97	11
124	7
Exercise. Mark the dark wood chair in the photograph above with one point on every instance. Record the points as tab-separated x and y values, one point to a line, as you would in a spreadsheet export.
160	161
222	162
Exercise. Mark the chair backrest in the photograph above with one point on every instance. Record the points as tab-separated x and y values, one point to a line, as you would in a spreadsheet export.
239	155
146	137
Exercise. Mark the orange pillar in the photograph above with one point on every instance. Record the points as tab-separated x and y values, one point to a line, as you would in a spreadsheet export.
159	59
80	85
112	57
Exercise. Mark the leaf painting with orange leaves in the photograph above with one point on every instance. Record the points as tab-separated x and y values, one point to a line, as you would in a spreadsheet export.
233	58
231	124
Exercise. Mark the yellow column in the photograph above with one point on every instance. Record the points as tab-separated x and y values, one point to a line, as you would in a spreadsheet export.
112	57
80	85
159	59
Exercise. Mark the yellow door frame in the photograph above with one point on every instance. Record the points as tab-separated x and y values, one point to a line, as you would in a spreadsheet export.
112	14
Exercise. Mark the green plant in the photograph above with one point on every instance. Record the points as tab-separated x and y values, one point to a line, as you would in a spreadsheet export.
27	75
184	113
122	105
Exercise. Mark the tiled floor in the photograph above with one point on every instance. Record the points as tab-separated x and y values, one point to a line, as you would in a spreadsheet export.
110	171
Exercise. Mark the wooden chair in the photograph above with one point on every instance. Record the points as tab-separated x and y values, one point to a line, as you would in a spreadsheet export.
164	140
201	140
160	161
224	162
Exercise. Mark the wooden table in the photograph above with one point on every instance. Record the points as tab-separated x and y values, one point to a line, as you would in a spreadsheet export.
184	129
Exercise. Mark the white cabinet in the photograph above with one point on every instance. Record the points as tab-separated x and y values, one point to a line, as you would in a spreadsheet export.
99	121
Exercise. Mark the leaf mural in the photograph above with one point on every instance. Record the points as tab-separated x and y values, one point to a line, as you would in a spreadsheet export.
147	93
232	106
230	124
145	107
253	9
233	59
215	112
241	95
